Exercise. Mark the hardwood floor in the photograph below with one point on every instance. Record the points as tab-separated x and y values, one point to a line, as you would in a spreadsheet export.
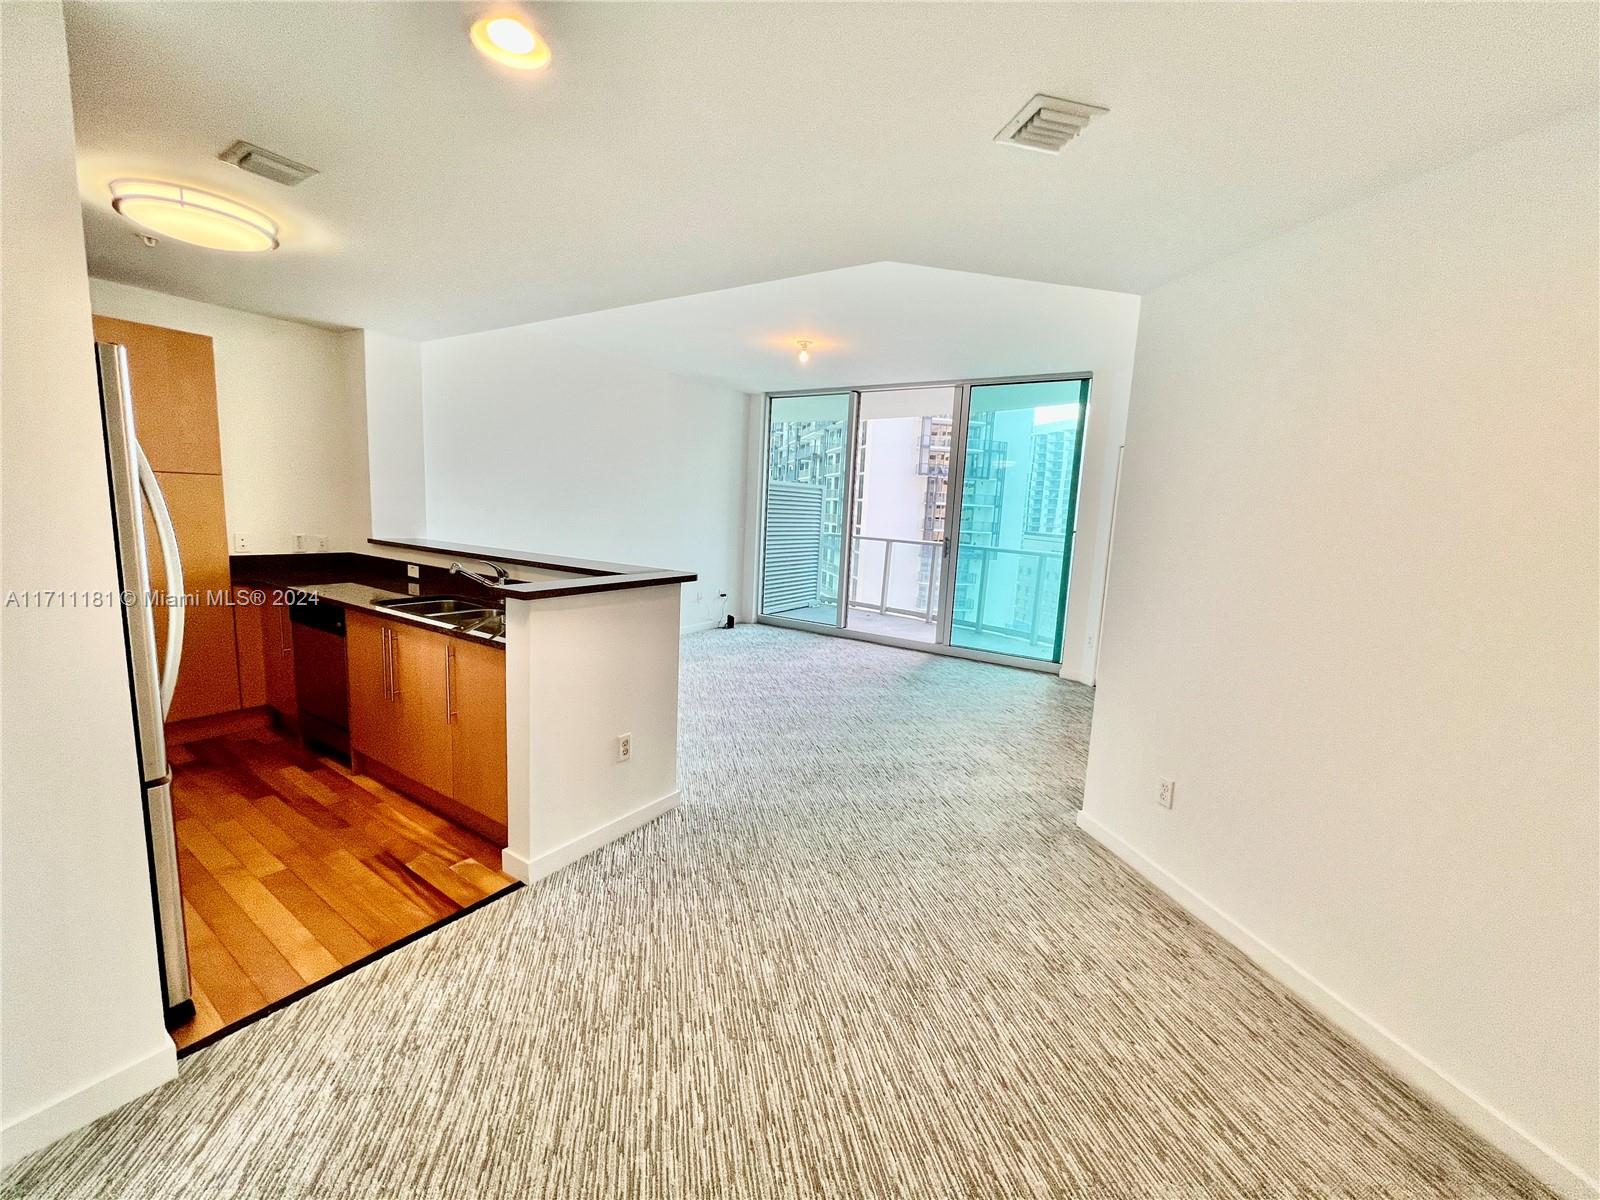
294	867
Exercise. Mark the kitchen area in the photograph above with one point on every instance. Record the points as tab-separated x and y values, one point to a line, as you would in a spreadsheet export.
345	749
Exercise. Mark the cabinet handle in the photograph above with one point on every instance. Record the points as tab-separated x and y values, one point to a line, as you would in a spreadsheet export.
449	683
394	668
284	644
388	690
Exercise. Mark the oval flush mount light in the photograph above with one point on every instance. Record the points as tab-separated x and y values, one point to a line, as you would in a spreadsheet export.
509	40
194	216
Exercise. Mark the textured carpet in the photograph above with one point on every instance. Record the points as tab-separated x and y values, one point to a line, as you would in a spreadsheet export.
870	956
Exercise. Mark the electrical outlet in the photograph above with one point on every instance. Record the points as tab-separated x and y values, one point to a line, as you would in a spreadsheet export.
241	543
1165	797
305	543
624	747
414	588
413	571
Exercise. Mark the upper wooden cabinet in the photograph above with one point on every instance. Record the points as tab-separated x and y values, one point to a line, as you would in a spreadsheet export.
174	394
174	383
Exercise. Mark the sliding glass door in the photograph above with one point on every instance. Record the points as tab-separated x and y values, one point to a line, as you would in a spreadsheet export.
937	515
898	511
801	560
1019	490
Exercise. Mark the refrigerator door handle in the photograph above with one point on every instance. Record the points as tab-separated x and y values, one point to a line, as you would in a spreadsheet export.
168	537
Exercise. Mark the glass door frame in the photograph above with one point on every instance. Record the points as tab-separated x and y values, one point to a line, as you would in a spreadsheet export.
955	488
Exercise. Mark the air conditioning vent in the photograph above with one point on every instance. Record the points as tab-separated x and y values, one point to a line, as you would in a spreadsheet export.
267	164
1047	123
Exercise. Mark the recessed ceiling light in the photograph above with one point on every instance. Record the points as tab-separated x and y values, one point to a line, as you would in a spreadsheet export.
194	216
509	40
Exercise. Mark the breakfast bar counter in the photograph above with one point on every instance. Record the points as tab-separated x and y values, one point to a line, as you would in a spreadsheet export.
591	698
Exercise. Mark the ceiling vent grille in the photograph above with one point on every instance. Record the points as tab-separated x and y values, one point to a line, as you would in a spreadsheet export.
267	164
1047	123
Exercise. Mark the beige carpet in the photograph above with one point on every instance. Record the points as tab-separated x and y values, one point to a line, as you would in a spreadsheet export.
870	956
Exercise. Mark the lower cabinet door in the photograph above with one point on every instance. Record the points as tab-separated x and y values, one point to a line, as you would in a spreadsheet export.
372	715
397	698
478	727
277	654
417	675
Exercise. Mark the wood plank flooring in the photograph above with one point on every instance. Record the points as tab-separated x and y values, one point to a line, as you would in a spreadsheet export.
294	867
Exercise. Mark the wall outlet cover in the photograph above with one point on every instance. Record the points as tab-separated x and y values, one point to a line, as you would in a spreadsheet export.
624	747
1167	794
414	571
241	543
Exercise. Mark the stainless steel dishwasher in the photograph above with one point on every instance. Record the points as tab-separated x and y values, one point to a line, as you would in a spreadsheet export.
321	684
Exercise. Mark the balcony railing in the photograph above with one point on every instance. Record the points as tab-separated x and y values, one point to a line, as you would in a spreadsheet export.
975	603
900	577
910	591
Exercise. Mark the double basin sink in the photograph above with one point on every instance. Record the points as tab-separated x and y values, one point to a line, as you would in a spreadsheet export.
453	612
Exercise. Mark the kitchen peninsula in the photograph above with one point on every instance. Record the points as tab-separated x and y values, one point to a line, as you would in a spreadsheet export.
591	678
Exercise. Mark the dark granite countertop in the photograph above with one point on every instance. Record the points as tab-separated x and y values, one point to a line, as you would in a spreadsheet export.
589	575
362	581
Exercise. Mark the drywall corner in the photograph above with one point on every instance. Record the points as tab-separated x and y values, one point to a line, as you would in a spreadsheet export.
396	465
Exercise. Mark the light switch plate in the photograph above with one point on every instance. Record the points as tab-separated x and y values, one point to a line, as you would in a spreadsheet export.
414	571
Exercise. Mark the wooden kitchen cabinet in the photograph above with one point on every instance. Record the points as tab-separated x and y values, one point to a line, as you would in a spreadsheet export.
477	680
173	378
277	656
174	394
249	631
431	709
398	698
417	667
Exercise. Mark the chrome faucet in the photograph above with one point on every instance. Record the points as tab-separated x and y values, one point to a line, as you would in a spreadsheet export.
501	575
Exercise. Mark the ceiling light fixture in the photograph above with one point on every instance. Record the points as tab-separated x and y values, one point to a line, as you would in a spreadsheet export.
805	345
194	216
510	41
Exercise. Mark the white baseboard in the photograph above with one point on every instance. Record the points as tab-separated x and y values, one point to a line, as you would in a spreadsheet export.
37	1129
696	627
530	870
1470	1109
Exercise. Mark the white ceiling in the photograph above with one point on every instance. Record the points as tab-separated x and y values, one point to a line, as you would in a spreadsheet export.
678	148
884	323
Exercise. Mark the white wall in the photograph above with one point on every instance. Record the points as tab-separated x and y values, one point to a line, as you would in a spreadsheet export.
398	471
293	430
580	671
1353	614
81	1001
896	323
533	443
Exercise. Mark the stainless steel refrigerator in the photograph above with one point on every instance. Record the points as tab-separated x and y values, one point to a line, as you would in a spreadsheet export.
133	486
